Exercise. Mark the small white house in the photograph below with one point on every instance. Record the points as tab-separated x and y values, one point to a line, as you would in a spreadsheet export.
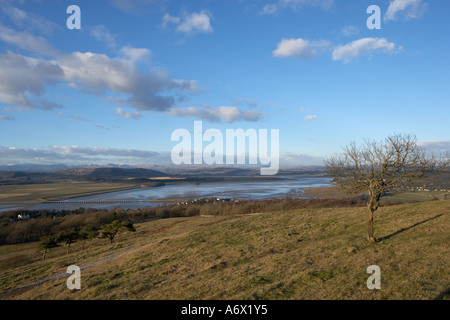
23	216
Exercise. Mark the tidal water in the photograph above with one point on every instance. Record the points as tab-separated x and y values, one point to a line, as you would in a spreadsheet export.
287	187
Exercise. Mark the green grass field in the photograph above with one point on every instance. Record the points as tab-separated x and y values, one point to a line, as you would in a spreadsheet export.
298	254
418	196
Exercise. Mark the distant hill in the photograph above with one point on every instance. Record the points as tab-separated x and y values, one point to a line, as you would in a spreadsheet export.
169	169
20	177
105	173
205	170
92	174
29	167
234	170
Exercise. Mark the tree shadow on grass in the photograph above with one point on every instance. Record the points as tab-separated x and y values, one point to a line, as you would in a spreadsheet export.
444	295
410	227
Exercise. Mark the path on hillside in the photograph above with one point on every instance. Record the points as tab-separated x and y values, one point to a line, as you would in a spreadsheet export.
24	288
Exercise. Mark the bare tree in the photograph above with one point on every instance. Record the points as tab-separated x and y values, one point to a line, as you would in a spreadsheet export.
379	167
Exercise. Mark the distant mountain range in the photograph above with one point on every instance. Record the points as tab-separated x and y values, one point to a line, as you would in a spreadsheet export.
89	174
29	173
167	169
106	173
29	167
33	167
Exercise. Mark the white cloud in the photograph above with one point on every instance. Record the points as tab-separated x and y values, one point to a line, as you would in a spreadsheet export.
135	54
79	118
103	151
250	103
292	158
128	115
310	117
362	46
76	154
408	8
227	114
196	23
299	47
191	86
23	80
350	31
190	23
102	34
27	20
27	41
269	9
437	147
8	118
167	18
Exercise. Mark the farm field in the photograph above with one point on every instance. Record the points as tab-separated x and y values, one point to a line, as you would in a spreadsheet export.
35	193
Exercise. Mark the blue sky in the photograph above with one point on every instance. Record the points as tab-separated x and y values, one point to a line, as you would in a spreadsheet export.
114	90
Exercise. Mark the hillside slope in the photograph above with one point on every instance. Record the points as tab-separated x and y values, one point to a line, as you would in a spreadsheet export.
299	254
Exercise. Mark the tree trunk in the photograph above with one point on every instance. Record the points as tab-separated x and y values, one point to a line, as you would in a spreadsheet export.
370	236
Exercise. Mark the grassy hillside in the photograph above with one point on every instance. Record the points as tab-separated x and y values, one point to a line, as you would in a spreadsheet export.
402	196
298	254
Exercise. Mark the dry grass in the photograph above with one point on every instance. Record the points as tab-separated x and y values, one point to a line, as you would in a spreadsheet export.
326	193
295	254
406	196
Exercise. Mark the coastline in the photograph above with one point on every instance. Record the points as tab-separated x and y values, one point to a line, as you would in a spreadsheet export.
79	198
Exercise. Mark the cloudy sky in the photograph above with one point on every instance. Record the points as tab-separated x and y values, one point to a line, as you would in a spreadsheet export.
115	90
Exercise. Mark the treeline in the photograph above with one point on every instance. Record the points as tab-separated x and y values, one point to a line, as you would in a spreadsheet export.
50	222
